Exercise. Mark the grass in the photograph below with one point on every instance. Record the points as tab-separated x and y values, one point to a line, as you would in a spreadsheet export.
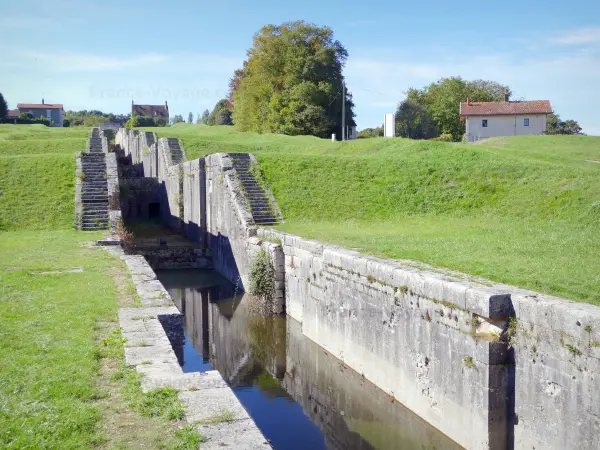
48	351
519	210
37	176
59	345
224	416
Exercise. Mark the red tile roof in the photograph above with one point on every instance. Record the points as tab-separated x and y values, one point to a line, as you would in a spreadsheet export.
505	108
13	114
39	106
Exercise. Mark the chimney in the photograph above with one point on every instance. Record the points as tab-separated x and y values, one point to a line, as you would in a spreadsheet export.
506	94
166	104
468	101
42	100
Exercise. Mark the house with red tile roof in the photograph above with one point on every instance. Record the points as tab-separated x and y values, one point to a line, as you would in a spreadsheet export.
52	111
507	118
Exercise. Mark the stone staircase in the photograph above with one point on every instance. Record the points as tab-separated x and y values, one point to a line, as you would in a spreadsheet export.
94	191
258	199
177	154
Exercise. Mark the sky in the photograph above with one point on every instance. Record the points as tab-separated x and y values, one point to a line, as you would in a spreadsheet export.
104	54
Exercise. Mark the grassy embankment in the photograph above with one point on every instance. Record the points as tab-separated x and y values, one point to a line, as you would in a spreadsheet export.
523	210
62	383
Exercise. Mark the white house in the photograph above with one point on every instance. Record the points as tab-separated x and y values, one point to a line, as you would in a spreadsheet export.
489	119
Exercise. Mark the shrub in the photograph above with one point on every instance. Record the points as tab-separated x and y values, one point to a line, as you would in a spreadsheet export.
443	138
66	123
262	276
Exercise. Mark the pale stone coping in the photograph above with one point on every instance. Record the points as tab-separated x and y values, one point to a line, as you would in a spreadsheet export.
206	395
487	300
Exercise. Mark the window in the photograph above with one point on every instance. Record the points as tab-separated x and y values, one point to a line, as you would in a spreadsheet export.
484	123
526	122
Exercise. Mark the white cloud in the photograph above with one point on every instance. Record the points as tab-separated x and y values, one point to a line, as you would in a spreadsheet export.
580	36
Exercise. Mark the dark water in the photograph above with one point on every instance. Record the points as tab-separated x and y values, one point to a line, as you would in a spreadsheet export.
299	395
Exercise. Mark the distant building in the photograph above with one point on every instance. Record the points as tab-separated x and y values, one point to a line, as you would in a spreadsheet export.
13	114
52	111
490	119
151	111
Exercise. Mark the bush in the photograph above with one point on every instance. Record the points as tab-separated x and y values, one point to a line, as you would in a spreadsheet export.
66	123
143	121
262	276
443	138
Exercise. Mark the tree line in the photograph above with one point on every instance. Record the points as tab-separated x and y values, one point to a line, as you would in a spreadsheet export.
433	111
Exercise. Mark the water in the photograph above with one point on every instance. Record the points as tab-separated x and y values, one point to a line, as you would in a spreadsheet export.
300	396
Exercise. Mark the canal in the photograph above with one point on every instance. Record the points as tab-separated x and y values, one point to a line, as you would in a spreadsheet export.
300	396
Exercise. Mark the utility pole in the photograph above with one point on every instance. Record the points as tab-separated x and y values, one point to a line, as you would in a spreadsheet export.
343	111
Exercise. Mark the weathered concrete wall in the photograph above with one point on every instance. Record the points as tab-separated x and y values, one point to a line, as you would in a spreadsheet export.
427	337
194	200
557	373
230	232
352	412
410	332
173	257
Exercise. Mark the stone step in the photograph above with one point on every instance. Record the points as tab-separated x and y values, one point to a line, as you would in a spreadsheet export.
94	228
99	198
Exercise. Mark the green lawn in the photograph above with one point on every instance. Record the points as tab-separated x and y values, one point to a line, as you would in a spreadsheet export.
37	176
56	370
48	352
520	210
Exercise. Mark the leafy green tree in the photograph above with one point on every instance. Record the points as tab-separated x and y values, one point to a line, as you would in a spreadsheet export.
291	82
3	108
221	114
177	118
370	133
555	126
442	100
413	121
205	117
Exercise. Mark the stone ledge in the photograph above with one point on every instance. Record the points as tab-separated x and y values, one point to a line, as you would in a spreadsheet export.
205	395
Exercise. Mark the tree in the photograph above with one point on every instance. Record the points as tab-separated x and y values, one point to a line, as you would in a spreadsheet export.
442	99
205	117
371	132
160	121
413	121
190	118
3	108
177	118
291	82
221	114
555	126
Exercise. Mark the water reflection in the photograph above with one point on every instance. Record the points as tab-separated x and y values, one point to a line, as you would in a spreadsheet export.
299	395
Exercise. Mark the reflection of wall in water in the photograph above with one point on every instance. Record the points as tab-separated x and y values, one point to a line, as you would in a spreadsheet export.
242	342
350	411
193	304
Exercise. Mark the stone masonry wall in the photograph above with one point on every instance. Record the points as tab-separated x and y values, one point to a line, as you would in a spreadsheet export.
230	233
426	337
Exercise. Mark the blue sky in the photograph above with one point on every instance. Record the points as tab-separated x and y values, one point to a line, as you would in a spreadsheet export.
102	54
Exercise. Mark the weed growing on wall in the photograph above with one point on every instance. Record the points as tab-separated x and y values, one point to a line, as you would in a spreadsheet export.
262	276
